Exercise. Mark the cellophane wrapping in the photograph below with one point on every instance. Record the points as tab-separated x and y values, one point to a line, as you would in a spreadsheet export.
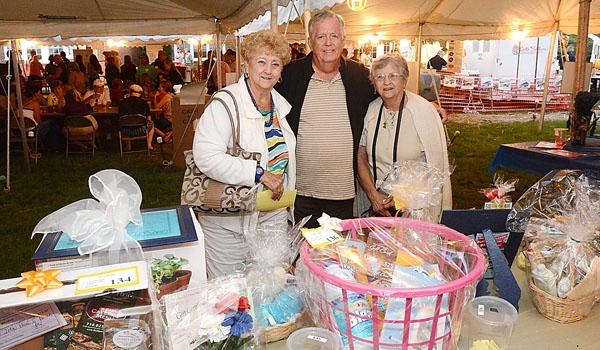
417	188
560	217
275	293
499	191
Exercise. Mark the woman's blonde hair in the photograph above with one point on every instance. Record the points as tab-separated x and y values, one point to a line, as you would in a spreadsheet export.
266	41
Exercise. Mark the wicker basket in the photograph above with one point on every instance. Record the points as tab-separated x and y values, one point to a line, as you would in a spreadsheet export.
558	309
282	331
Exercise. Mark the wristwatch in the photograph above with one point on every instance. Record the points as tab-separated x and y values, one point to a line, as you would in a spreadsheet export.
259	173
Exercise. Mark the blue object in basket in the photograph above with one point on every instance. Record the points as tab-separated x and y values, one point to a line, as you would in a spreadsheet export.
281	309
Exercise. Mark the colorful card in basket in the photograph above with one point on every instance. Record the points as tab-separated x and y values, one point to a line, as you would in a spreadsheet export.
320	237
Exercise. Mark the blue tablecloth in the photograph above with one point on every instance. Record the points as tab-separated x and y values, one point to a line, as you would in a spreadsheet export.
525	156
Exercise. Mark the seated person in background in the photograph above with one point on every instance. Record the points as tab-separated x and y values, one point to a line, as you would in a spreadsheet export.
98	96
133	104
31	103
75	106
116	91
162	100
147	85
48	130
77	78
173	73
437	62
56	99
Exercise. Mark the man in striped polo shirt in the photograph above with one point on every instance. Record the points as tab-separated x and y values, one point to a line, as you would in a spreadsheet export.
329	97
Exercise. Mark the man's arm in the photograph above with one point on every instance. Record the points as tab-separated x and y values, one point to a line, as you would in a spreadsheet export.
441	112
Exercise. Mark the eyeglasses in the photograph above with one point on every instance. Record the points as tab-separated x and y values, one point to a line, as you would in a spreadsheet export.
392	77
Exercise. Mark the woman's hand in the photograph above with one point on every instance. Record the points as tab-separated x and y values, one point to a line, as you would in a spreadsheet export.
382	203
274	183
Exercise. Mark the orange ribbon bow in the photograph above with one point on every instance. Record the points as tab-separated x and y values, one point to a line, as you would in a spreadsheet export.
36	281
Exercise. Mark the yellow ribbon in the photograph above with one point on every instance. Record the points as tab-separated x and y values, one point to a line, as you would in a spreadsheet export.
36	281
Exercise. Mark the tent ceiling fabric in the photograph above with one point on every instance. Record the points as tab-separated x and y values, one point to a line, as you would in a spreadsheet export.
20	19
465	19
440	19
456	19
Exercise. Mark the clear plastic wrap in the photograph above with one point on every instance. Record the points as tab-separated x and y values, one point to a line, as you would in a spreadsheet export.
216	316
392	282
416	187
498	193
274	291
560	217
99	223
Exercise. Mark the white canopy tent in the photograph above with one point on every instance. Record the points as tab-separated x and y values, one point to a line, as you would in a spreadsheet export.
448	19
420	19
88	18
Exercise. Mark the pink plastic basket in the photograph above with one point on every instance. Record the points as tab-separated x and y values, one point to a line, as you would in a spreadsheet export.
450	299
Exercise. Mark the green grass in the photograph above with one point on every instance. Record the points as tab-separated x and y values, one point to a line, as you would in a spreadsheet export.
56	181
474	149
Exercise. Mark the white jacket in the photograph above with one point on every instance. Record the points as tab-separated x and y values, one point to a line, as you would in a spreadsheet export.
213	137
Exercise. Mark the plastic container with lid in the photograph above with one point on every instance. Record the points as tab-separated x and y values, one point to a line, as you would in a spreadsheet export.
489	319
313	338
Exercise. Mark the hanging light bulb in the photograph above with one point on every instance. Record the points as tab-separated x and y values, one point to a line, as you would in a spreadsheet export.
356	5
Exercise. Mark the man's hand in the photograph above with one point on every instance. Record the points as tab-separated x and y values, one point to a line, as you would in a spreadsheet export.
441	112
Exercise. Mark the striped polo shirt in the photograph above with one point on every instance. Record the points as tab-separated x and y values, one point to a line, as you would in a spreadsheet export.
324	143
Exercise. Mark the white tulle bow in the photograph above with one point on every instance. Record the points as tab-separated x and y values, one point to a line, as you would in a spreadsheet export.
99	223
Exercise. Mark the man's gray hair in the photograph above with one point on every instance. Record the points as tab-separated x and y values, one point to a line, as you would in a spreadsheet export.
323	15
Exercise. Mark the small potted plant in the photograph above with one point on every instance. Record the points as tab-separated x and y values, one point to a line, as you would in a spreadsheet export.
168	275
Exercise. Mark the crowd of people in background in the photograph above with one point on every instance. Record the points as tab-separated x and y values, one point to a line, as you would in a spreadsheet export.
108	83
76	88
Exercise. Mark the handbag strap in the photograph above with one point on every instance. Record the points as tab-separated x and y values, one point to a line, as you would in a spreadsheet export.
235	124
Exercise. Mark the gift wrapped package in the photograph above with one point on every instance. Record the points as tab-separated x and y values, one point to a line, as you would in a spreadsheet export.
559	215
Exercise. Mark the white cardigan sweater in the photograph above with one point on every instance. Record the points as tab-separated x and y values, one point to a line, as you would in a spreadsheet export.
213	137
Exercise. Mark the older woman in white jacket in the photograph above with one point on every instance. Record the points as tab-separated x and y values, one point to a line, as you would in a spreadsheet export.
399	126
264	129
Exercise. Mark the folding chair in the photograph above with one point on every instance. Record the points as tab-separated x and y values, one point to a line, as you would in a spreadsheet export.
132	127
80	131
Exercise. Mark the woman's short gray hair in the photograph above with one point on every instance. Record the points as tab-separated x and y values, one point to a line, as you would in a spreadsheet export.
393	59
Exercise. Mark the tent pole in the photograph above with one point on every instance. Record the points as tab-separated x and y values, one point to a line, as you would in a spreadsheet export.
14	54
237	61
418	58
8	107
219	54
580	56
306	15
547	75
274	25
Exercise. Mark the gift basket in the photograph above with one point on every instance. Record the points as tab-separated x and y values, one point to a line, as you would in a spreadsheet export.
392	283
559	215
279	306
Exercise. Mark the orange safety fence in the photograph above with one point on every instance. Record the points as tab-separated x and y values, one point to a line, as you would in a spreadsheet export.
475	94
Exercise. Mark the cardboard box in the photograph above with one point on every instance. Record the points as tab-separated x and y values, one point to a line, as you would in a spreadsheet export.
187	107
